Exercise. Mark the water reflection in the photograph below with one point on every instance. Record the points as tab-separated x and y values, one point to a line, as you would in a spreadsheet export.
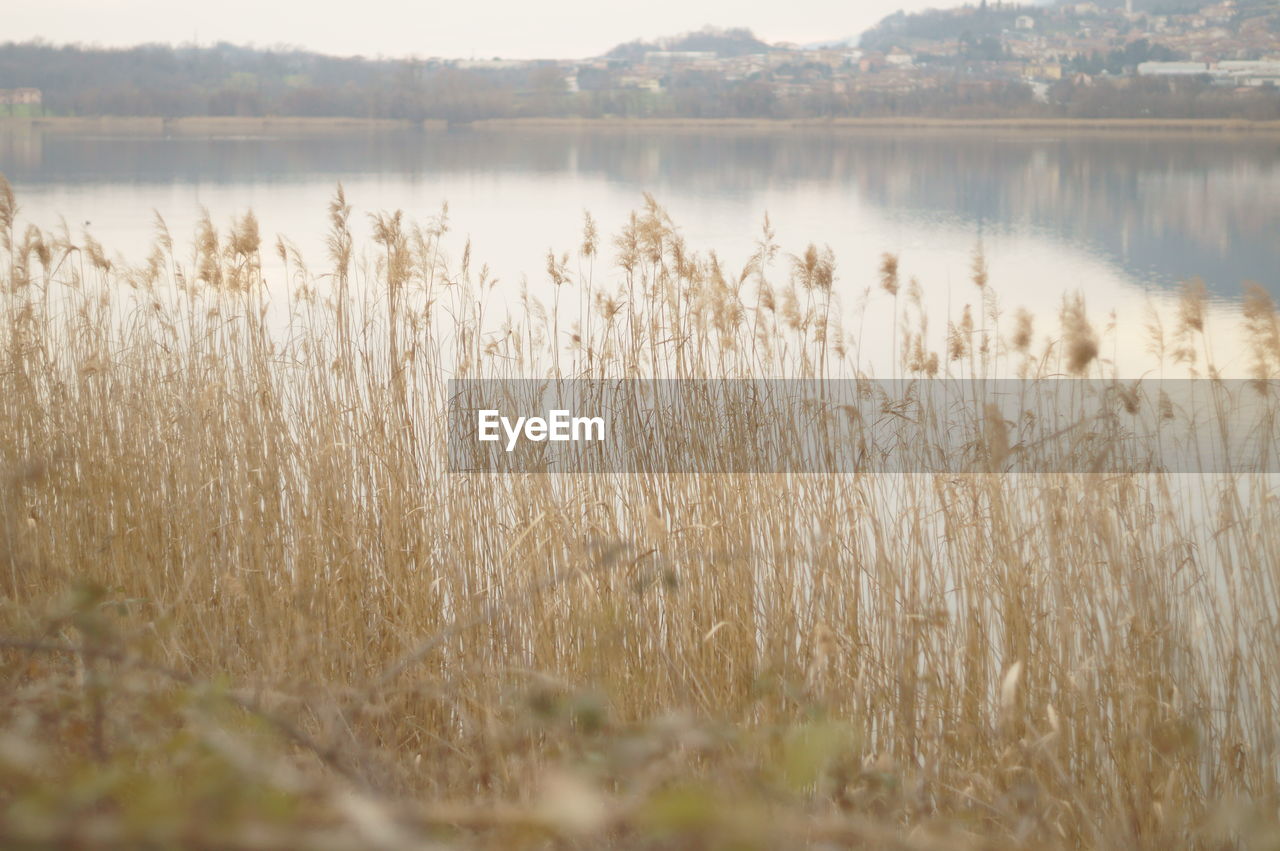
1163	208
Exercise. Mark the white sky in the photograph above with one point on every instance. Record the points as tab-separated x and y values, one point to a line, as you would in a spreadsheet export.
567	29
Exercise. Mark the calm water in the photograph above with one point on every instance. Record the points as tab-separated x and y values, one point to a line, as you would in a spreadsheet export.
1121	220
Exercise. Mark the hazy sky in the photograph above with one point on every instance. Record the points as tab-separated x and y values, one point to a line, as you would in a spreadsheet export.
458	28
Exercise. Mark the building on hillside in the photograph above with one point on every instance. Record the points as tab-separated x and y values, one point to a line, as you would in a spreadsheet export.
1024	22
1048	71
641	83
495	64
677	57
871	62
21	97
1172	69
830	58
1248	73
1219	13
899	58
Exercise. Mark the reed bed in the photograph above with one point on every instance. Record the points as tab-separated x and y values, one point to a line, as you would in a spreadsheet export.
243	603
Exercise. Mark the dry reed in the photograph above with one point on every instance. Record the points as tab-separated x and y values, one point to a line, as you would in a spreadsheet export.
245	605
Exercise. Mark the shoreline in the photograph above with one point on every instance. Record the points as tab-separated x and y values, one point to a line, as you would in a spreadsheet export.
211	126
224	127
905	123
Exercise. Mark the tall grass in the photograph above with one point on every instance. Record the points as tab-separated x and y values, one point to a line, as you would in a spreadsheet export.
244	604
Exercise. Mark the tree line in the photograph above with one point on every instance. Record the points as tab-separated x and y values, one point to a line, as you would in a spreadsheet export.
226	80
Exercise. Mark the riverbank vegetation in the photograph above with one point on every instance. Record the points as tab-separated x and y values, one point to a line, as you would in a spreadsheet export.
243	604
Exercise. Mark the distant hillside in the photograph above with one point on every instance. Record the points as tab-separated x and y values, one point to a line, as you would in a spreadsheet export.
944	24
722	42
1156	7
977	20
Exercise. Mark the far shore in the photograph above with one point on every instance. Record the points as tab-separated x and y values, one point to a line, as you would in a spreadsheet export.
224	127
897	124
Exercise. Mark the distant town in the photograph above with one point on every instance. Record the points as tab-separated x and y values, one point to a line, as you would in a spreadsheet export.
1086	59
1038	46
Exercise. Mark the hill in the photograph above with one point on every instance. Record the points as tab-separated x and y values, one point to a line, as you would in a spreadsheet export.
722	42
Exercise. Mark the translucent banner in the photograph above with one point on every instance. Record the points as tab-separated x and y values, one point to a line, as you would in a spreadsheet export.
863	426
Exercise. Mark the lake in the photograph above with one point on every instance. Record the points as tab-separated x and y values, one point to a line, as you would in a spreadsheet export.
1121	219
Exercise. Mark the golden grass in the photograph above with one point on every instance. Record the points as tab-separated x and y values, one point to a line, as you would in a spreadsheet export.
244	605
